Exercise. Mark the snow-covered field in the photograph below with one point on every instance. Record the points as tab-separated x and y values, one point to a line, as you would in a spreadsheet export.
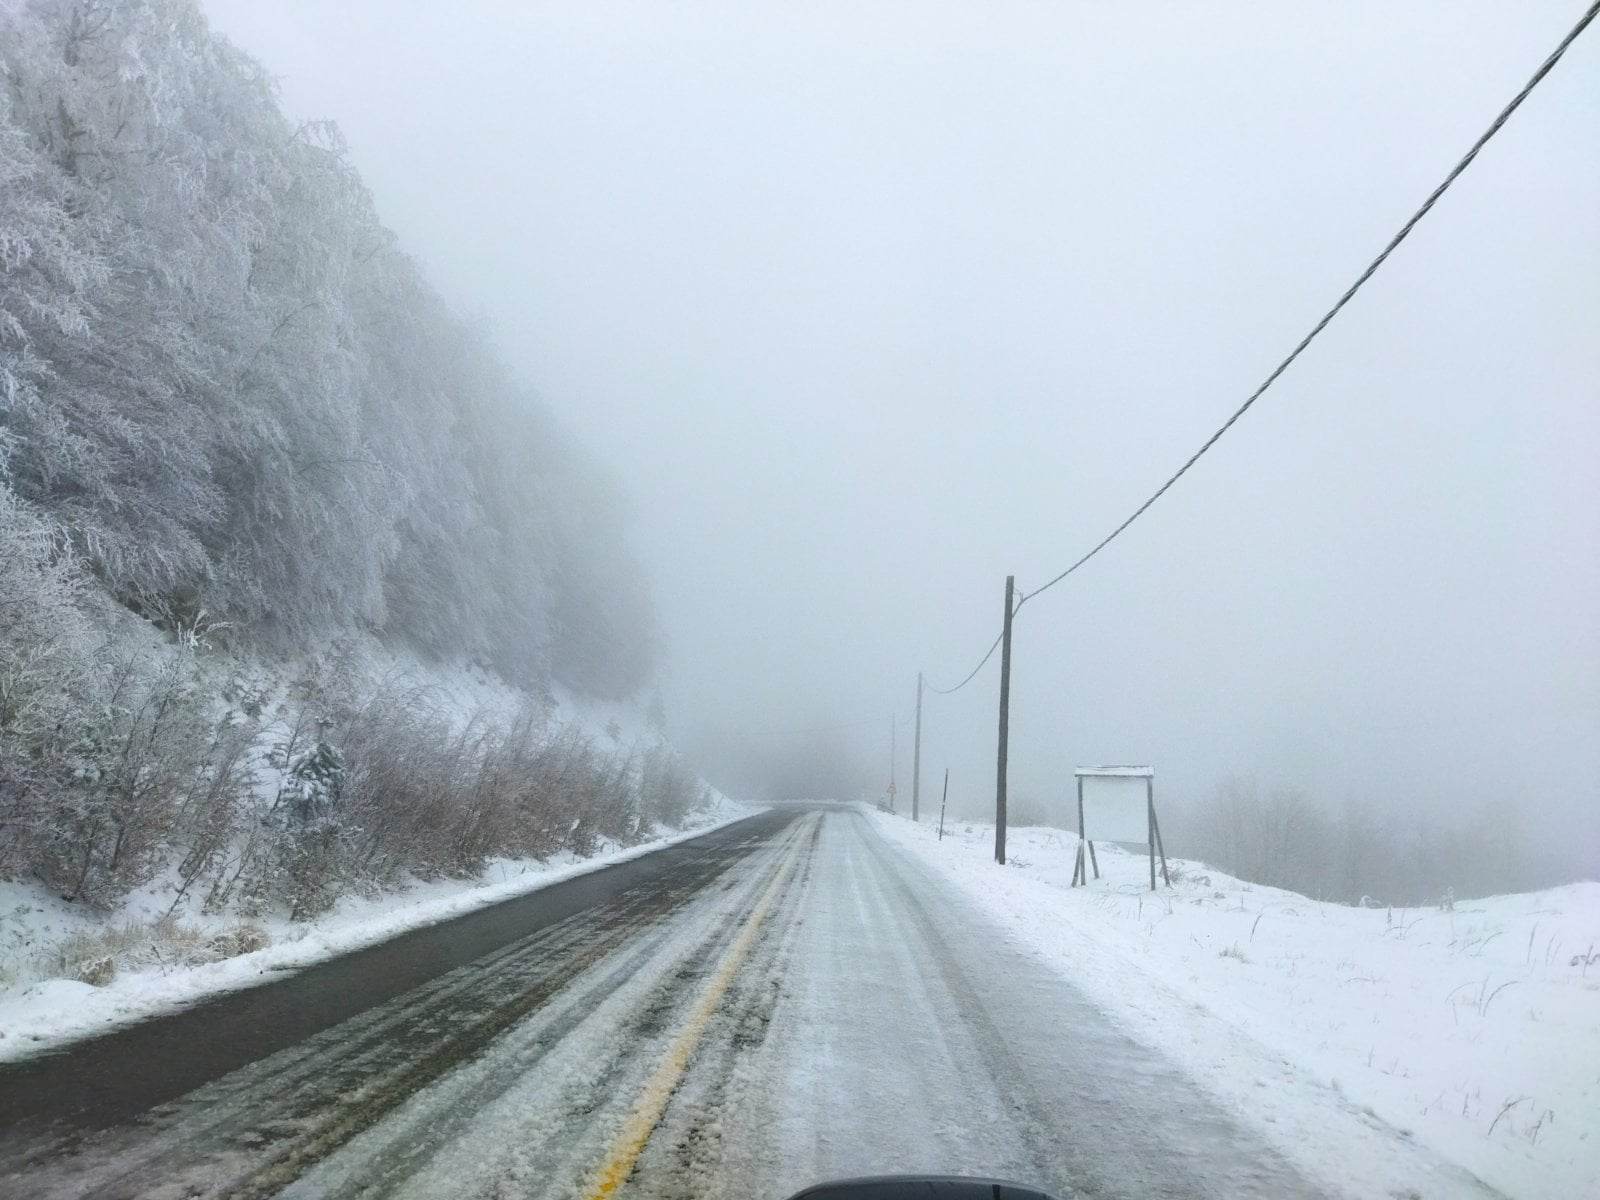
39	1010
1474	1030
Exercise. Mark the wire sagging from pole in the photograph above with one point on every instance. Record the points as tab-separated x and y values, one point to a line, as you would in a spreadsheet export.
1411	223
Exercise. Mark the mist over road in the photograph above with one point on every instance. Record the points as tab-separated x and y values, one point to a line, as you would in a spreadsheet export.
792	999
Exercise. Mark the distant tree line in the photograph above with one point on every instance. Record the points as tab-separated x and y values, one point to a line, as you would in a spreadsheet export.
1281	838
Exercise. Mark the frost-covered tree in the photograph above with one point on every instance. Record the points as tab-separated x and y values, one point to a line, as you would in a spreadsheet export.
46	672
229	402
229	390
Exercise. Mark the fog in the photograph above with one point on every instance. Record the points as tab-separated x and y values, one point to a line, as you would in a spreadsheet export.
871	305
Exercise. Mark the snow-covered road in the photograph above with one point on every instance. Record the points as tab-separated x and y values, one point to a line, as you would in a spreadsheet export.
819	1005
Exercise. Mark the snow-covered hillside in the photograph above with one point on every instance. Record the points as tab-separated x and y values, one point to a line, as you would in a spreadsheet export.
252	470
1473	1027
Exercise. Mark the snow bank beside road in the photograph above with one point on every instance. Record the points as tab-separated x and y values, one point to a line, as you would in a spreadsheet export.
38	1013
1474	1031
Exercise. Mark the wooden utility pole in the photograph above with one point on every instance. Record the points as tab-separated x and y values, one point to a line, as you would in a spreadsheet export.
916	754
945	795
1005	722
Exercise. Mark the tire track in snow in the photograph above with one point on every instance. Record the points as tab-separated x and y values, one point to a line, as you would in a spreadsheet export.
258	1128
665	973
688	1152
663	1083
1127	1097
534	1117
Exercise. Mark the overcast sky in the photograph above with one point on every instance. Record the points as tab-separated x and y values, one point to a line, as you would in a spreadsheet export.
870	304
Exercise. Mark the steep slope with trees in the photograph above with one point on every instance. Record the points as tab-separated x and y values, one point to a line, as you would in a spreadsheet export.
233	411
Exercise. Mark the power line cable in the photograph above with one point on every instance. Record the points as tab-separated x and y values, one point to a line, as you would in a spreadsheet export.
972	674
1327	317
1371	269
796	730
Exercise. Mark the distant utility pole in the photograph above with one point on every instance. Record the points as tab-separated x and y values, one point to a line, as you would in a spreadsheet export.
916	754
894	722
1005	731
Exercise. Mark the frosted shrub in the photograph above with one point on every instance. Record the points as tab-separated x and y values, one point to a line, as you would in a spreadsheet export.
45	670
97	972
407	769
216	804
615	802
488	811
232	393
549	804
112	810
244	939
668	791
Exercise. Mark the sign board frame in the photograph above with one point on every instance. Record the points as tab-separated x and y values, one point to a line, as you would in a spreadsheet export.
1080	870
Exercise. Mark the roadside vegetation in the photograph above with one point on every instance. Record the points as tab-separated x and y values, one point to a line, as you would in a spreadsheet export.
249	795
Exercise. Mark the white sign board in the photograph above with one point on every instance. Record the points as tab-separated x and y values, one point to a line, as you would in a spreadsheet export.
1115	805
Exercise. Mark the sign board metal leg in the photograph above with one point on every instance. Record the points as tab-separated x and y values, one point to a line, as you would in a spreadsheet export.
1155	825
1150	818
1079	872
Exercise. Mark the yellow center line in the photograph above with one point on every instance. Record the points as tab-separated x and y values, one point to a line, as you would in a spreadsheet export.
652	1102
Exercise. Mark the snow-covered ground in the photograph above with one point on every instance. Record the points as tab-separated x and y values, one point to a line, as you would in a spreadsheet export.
1474	1030
39	1011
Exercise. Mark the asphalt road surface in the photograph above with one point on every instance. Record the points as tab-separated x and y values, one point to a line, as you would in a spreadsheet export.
788	1000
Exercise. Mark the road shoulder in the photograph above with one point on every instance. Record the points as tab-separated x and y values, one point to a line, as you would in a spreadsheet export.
1306	1114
